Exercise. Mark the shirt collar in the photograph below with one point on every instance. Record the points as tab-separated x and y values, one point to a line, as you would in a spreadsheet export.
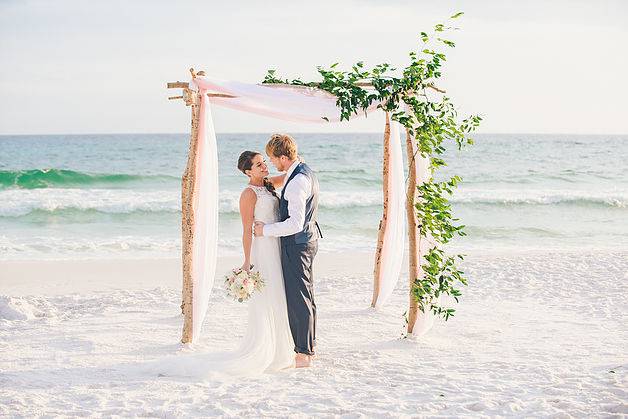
291	168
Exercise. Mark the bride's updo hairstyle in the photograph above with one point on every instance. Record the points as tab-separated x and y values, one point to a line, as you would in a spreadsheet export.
245	162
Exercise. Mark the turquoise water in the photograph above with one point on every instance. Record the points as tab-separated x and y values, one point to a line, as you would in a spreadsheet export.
92	196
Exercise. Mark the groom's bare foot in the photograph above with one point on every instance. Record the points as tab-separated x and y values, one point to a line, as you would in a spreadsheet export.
303	361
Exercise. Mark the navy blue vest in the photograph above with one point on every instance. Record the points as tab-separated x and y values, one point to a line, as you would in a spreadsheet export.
311	230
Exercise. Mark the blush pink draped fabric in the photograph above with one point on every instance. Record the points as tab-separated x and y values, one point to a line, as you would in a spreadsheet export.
288	103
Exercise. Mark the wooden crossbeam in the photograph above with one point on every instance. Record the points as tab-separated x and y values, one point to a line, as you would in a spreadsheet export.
208	94
361	84
178	85
186	85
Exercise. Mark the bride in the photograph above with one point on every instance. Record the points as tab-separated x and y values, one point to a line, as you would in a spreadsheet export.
267	344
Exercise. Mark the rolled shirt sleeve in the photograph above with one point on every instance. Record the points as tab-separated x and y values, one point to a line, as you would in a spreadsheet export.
297	192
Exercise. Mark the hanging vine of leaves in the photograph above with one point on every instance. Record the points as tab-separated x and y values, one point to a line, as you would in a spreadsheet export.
429	117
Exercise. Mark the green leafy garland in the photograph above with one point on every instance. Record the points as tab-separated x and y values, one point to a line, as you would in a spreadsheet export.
433	122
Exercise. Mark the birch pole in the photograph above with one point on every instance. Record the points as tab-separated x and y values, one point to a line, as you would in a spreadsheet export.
188	182
384	221
414	253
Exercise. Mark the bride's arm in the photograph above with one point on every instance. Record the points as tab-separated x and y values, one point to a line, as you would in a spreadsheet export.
277	181
247	210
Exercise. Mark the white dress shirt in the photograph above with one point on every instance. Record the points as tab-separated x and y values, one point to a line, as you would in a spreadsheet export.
297	192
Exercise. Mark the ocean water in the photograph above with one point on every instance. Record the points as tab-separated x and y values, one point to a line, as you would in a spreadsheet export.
101	196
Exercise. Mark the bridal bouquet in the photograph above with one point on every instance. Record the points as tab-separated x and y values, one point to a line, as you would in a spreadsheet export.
241	284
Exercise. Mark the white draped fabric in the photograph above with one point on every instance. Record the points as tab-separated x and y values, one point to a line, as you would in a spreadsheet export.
394	243
424	321
289	103
205	207
285	102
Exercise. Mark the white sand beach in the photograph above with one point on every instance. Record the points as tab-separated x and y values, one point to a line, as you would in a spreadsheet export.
536	334
133	132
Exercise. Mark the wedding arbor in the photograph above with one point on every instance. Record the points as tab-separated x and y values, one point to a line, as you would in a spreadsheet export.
199	191
407	98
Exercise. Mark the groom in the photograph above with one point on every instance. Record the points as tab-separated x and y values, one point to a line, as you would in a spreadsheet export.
299	233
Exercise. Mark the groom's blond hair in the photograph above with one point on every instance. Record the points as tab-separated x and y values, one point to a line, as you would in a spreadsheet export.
282	145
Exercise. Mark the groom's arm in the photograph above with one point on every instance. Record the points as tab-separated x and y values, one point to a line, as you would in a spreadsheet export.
297	192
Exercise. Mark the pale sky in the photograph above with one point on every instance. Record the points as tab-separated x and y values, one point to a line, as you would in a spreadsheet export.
86	66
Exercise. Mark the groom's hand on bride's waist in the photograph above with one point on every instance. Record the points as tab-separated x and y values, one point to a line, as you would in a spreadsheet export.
258	229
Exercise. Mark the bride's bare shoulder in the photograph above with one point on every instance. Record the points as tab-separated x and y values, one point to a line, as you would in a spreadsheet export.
248	196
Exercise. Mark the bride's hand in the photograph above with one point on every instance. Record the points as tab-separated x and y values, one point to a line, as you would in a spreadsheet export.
246	267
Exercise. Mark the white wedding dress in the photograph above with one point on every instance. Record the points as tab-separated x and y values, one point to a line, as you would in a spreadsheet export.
267	344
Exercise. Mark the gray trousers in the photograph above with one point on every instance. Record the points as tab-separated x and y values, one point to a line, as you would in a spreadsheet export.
296	262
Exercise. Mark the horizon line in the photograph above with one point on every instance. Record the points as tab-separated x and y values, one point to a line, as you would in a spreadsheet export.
296	133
